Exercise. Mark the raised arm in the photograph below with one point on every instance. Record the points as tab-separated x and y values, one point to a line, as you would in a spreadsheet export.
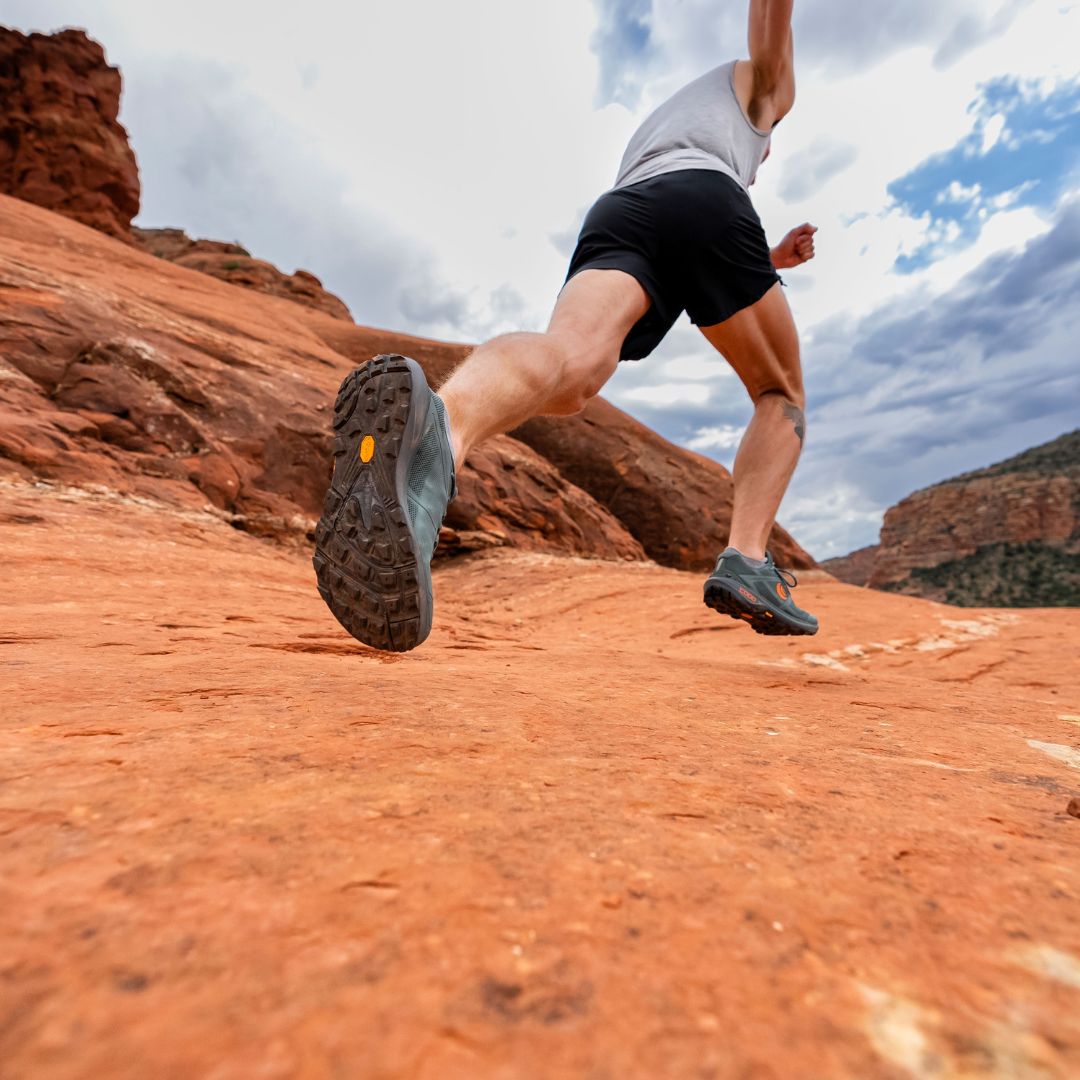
772	60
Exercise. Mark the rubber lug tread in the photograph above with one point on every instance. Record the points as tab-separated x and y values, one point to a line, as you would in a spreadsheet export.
727	601
364	561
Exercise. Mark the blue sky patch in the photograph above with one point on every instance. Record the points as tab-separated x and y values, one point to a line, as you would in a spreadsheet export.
1023	151
622	41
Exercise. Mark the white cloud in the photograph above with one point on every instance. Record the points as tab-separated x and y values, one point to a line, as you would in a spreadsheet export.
833	519
803	174
992	132
724	437
974	28
957	193
664	395
704	363
1008	230
1007	198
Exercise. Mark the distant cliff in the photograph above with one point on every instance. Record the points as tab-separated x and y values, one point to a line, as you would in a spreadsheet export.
1007	535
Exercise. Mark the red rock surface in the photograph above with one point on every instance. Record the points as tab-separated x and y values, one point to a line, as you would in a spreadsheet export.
589	830
232	263
61	145
675	502
125	371
509	495
122	371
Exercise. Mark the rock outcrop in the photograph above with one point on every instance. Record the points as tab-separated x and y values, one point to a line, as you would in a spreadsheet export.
676	503
508	495
233	263
1006	535
61	144
124	372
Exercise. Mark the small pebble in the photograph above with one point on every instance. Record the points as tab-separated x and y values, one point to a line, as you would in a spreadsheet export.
1073	808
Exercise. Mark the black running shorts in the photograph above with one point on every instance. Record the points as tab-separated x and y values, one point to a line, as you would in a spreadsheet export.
692	238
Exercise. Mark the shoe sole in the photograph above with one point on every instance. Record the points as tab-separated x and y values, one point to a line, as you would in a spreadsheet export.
365	554
723	596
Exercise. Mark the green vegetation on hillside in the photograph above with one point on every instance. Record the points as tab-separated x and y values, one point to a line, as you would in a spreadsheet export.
1003	575
1059	457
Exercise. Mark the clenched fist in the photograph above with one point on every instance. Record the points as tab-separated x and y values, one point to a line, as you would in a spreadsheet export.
796	248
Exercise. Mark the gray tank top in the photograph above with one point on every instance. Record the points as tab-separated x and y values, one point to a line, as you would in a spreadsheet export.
701	126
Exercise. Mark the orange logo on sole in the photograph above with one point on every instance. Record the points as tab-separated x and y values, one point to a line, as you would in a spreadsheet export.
367	449
748	595
783	593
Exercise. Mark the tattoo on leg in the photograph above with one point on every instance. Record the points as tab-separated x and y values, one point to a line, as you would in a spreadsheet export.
796	416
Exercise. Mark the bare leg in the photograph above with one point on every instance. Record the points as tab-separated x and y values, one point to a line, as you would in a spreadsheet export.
516	376
762	345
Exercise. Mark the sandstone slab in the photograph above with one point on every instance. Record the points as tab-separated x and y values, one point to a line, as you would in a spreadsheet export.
126	372
676	503
237	843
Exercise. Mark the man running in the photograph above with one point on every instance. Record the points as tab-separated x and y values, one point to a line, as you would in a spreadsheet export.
677	231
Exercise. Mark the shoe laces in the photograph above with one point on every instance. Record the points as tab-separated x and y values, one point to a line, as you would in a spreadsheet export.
787	577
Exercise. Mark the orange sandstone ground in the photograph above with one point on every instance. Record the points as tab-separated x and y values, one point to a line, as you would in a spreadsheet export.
589	830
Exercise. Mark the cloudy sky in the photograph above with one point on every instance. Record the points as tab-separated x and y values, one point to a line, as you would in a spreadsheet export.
432	162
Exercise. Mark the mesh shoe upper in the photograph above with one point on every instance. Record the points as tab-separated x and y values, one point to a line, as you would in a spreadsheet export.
431	481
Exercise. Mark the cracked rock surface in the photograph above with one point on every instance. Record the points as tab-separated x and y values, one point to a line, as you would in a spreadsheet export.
589	829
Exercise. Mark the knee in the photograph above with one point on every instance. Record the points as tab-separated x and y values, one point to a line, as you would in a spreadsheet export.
787	390
792	407
583	371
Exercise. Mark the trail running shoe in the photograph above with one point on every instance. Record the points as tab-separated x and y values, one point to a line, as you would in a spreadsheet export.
393	478
759	594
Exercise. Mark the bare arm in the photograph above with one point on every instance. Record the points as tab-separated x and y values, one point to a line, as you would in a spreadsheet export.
772	58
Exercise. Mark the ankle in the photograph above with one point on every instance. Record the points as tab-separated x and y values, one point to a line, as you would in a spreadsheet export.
458	449
455	429
749	551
